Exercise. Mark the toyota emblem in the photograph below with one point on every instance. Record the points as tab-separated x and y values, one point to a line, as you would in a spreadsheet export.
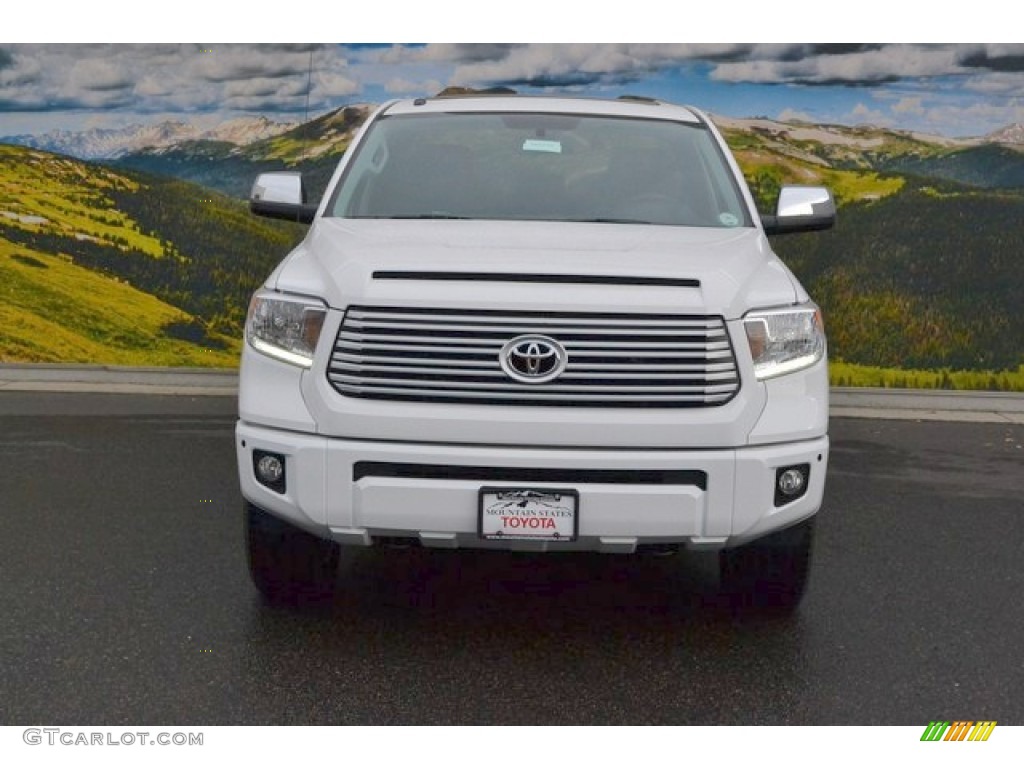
533	359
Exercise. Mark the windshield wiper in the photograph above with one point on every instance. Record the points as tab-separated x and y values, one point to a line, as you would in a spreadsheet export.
433	215
605	220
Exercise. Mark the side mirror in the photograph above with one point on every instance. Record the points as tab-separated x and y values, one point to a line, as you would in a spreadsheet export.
281	195
801	209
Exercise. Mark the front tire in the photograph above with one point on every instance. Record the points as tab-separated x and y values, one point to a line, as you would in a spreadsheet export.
770	573
288	565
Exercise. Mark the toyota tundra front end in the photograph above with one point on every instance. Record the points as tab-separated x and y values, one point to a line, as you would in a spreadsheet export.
536	324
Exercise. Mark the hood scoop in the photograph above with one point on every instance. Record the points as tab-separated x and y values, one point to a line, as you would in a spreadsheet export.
518	277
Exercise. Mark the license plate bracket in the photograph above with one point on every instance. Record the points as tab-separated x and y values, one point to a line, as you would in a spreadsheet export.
532	514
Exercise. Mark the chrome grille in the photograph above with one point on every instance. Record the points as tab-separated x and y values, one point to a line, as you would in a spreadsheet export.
614	360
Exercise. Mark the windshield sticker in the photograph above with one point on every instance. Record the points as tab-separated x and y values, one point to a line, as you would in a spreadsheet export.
542	145
728	219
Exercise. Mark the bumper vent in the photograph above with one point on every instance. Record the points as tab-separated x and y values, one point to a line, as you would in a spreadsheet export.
614	360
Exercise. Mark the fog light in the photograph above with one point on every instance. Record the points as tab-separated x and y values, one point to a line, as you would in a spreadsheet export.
269	469
791	483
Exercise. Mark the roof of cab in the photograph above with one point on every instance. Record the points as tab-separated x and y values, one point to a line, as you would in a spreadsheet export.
628	106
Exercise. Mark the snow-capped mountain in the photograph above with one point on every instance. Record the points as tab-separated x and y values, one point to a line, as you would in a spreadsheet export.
1011	134
246	130
109	143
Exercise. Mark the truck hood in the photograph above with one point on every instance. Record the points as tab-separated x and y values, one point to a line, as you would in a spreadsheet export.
540	266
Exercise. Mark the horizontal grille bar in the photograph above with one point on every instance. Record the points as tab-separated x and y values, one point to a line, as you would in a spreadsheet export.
570	375
352	341
558	387
612	360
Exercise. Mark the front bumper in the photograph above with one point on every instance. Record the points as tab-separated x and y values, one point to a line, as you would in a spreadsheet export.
355	491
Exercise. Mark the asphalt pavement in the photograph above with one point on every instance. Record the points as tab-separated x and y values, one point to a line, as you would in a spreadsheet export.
124	596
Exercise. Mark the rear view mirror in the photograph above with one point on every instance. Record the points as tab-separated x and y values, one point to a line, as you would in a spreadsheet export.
801	209
281	195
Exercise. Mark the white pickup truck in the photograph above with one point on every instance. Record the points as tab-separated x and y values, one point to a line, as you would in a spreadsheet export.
540	324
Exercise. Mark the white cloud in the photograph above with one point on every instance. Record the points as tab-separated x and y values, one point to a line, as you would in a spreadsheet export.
889	63
963	120
864	115
915	85
155	78
908	105
222	63
255	86
1007	84
328	85
22	67
403	87
155	87
568	63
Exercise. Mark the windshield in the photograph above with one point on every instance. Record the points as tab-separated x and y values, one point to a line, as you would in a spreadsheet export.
540	166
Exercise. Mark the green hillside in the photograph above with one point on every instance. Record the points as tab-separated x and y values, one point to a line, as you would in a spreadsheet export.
990	166
929	277
54	311
837	146
841	159
106	266
921	274
54	196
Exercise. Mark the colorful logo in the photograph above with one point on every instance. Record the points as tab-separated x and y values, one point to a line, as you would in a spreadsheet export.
961	730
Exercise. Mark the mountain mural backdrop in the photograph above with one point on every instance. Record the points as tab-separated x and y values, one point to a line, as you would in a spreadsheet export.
135	246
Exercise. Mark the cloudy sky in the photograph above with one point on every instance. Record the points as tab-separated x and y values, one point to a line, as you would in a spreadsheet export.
947	89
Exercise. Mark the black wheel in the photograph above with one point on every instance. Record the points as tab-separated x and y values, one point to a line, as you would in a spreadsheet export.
770	573
286	564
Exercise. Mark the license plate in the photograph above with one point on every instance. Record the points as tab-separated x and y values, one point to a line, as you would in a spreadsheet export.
543	514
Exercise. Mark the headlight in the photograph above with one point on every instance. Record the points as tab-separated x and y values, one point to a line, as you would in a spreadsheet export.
785	340
285	328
